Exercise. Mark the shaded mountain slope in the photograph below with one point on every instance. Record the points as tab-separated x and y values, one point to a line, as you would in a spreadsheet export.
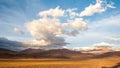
54	53
108	54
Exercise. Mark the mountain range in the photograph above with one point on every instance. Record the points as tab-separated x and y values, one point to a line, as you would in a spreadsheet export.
53	53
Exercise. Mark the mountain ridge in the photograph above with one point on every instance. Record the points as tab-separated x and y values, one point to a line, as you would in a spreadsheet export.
53	53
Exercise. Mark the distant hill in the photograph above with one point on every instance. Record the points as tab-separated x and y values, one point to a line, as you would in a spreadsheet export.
54	53
31	51
108	54
58	53
5	53
2	50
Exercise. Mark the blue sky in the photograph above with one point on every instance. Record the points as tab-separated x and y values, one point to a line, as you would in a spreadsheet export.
102	26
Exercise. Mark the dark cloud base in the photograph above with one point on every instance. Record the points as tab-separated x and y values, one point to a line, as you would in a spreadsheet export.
8	44
17	45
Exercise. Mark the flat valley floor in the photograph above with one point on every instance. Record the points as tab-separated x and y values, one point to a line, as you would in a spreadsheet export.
59	63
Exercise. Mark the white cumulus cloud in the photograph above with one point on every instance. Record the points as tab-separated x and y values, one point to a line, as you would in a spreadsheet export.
99	7
72	12
97	48
57	12
48	29
103	45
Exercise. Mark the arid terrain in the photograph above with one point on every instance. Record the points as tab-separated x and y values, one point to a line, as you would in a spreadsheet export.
59	63
58	58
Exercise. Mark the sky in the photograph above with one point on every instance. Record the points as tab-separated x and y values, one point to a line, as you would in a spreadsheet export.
59	23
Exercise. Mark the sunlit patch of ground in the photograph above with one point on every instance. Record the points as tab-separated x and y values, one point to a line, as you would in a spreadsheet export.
59	63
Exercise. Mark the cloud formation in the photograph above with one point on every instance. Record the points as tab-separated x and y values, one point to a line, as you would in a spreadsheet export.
103	45
47	30
56	12
8	44
72	12
15	45
99	7
113	39
97	48
18	30
49	33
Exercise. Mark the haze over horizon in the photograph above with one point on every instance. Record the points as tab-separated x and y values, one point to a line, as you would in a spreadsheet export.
75	24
